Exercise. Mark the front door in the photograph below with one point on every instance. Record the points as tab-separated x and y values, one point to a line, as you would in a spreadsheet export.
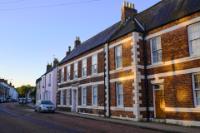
159	102
74	100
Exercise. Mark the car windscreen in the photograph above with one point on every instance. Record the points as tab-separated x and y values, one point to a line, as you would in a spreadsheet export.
47	102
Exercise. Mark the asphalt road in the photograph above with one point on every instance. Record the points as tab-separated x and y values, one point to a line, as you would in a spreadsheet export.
17	119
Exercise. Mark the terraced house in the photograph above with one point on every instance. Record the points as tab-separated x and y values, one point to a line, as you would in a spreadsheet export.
144	67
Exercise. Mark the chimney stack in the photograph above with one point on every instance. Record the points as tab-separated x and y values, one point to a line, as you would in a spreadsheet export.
55	62
128	11
69	51
49	66
77	42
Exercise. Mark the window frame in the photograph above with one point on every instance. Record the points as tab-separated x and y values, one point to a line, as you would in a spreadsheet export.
75	72
195	89
84	61
68	97
62	75
95	87
94	64
68	72
151	46
117	84
115	55
83	96
189	41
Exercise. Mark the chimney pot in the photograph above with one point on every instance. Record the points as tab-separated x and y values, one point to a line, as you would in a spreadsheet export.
77	42
128	11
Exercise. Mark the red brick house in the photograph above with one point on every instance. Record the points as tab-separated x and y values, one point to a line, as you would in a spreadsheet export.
144	67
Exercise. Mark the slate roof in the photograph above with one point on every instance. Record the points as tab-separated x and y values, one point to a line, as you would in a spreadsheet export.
160	14
167	11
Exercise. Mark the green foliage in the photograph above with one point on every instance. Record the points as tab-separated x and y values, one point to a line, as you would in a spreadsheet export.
24	90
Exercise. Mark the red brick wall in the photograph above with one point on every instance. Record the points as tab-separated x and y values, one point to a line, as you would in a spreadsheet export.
80	69
100	62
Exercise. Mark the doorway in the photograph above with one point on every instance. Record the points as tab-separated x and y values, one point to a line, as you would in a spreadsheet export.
159	101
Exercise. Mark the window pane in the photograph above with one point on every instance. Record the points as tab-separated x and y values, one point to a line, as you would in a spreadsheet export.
194	31
195	45
119	91
198	97
118	56
197	81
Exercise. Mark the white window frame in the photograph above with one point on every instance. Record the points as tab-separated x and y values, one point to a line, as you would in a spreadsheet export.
62	74
84	96
68	72
116	57
84	67
76	70
49	84
61	97
189	41
68	97
195	89
117	84
94	63
95	87
151	45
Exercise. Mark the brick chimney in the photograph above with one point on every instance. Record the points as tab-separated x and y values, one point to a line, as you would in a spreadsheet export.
69	51
49	66
55	62
77	42
128	11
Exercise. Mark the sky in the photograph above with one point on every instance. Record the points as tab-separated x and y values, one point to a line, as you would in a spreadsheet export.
33	32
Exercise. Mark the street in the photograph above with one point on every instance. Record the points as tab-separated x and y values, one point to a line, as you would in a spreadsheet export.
15	118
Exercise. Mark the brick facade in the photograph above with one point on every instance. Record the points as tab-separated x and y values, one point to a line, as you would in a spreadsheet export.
174	73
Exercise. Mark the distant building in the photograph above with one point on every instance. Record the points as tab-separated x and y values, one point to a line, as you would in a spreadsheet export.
46	85
7	91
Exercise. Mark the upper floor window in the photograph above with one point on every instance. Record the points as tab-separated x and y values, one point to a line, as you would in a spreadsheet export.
84	96
118	56
156	50
62	75
194	38
94	64
76	70
68	72
84	67
94	95
119	94
197	89
49	84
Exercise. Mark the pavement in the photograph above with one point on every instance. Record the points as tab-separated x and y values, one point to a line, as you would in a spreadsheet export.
162	127
15	118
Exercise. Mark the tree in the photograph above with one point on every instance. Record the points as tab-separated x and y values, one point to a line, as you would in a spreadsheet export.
25	90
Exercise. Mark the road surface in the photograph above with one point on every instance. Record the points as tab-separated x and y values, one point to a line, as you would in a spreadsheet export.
17	119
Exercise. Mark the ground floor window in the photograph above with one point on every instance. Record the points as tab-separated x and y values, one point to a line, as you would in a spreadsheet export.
61	97
84	96
196	80
119	95
68	97
94	95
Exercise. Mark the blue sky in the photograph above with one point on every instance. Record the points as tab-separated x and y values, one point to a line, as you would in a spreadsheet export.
32	32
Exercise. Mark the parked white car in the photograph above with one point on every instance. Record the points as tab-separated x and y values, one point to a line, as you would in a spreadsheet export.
45	106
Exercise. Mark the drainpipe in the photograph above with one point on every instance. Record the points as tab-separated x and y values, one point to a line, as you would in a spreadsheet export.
146	77
107	82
